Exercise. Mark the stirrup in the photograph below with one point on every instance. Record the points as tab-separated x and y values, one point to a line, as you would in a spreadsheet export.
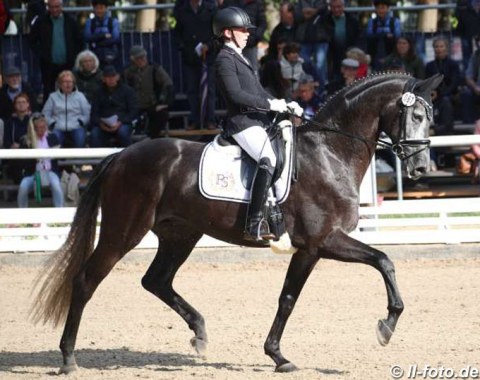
257	229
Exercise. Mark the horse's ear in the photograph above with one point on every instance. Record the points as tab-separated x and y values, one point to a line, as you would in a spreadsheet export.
429	84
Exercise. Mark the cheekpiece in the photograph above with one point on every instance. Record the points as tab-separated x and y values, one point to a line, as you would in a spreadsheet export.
408	99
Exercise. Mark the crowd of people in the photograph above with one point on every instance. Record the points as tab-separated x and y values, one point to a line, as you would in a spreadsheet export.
316	49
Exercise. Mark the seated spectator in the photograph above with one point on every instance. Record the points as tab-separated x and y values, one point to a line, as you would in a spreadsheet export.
363	61
273	81
11	88
87	74
291	65
307	98
349	75
382	30
68	112
443	96
471	94
404	54
113	111
468	27
39	173
16	128
154	89
102	34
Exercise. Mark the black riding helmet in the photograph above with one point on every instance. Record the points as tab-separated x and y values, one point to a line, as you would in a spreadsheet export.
230	17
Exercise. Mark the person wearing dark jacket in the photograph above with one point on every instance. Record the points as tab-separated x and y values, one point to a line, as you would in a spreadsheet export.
242	91
344	31
114	109
56	39
443	96
468	27
193	36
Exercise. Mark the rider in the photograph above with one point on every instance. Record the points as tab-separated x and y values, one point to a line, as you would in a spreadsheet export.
247	104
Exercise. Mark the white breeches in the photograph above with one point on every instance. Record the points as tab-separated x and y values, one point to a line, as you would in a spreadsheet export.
254	140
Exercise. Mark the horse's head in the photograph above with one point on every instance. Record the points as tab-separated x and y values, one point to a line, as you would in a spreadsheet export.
410	135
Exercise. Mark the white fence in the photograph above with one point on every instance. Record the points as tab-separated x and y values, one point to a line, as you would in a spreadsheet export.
392	222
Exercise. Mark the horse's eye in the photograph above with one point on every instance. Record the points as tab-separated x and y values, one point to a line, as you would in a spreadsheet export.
418	117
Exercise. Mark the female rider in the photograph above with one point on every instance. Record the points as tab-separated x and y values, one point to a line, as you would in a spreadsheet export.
247	104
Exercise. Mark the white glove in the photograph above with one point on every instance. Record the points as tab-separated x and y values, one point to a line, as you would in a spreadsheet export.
295	108
278	105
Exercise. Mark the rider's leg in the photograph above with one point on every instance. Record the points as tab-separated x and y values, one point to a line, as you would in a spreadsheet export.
255	142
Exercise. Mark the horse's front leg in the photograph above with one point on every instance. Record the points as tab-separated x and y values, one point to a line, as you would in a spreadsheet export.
340	246
300	268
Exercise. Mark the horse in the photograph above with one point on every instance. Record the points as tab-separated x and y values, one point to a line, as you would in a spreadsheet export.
153	186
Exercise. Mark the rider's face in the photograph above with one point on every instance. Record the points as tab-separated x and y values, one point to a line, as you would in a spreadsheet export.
241	36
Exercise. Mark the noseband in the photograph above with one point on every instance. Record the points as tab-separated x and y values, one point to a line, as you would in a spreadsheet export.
407	100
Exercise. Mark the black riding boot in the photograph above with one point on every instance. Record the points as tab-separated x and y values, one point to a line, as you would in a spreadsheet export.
256	227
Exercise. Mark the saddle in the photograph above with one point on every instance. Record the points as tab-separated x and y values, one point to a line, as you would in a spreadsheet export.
226	172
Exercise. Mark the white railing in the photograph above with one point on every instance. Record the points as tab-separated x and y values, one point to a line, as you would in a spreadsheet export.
392	222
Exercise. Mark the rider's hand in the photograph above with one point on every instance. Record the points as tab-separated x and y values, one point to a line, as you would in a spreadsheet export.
278	105
295	108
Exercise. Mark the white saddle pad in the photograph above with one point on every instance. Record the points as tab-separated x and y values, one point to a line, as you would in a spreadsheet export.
220	171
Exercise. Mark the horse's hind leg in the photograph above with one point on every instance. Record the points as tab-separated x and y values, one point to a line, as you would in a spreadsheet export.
176	242
344	248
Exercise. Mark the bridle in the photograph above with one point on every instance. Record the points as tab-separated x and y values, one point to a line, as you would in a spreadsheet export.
400	144
408	100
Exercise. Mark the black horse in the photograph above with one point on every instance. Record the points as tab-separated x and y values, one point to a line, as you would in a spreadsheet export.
153	185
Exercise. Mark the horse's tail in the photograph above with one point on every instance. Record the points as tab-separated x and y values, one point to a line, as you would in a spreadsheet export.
52	300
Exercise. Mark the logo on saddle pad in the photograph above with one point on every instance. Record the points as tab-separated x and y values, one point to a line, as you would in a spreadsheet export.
226	172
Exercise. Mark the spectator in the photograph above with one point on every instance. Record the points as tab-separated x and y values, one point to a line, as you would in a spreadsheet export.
88	75
68	112
363	61
284	31
102	34
471	94
256	11
443	96
39	173
16	128
12	87
308	98
404	53
349	74
114	110
273	81
55	38
313	36
35	10
193	35
344	31
382	30
292	65
154	89
5	17
468	27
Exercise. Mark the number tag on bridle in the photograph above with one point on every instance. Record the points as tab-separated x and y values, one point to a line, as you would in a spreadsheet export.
408	99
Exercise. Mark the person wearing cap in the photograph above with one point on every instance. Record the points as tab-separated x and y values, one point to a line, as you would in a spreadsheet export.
154	89
247	104
348	70
382	31
114	109
193	36
56	39
11	88
102	34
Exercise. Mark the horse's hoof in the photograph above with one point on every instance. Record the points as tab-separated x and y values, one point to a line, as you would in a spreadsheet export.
384	333
286	367
199	345
67	369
